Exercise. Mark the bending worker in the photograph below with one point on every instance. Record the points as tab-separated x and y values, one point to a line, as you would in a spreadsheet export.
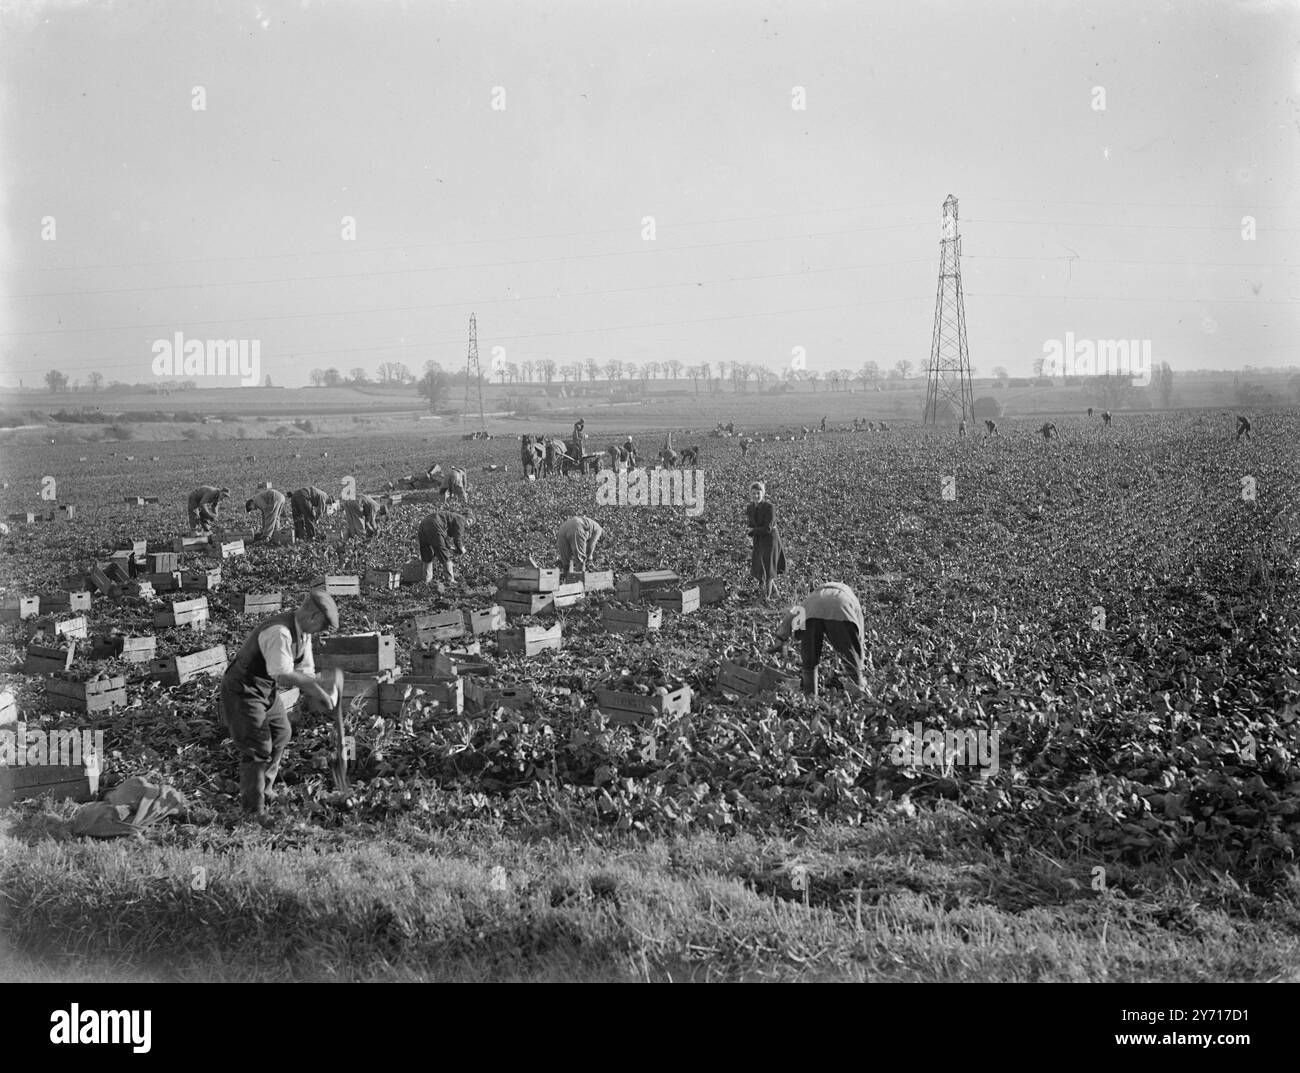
203	506
361	515
575	543
442	535
310	505
273	668
829	612
271	504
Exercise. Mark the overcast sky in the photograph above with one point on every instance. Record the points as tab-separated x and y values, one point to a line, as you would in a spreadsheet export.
775	227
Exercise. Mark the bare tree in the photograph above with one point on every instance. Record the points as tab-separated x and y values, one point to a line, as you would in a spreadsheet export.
317	377
675	367
547	366
96	381
593	369
56	381
904	368
357	375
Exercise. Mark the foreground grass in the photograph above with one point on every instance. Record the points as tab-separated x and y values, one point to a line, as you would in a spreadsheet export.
902	901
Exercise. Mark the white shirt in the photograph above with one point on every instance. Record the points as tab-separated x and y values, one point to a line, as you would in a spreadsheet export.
277	649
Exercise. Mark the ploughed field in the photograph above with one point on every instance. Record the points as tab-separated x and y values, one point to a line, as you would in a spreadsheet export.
1165	730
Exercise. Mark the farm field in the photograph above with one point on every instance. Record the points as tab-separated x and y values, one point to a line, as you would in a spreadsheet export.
1140	824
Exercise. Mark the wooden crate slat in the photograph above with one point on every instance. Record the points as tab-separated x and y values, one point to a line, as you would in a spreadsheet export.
486	620
437	626
177	670
47	659
591	580
258	603
629	620
201	580
489	693
382	580
56	781
633	707
339	584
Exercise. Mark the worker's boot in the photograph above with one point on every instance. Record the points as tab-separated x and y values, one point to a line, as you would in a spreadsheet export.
252	786
451	572
808	680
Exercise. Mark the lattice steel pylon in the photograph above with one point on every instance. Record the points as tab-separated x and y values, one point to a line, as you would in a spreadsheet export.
948	374
473	374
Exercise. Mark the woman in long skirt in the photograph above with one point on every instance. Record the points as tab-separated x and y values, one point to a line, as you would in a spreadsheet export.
768	558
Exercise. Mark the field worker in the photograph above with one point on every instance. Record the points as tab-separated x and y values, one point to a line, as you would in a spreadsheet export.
310	505
1047	430
961	428
1243	427
768	556
576	541
273	668
989	428
829	612
580	436
823	422
629	452
1105	418
361	515
442	535
1089	411
455	482
745	441
203	506
271	504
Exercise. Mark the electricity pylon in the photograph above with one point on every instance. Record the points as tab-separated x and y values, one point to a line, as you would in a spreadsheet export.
948	374
473	375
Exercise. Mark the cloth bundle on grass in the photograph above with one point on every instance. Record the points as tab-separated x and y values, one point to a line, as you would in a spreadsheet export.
128	809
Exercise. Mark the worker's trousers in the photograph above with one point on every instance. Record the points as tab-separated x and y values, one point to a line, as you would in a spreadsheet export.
842	635
261	735
271	520
304	519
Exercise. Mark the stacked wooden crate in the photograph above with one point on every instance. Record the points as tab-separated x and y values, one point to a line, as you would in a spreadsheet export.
363	653
529	640
529	590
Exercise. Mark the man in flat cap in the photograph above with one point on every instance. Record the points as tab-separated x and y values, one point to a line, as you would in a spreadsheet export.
274	665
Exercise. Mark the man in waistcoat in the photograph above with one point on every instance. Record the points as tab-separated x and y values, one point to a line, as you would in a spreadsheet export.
274	665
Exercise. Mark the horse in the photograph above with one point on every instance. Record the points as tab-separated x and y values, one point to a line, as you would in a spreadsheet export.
532	455
557	456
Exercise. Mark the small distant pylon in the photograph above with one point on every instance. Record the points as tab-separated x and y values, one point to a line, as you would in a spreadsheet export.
948	374
474	375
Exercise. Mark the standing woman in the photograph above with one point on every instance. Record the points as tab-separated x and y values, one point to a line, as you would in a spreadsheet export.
768	559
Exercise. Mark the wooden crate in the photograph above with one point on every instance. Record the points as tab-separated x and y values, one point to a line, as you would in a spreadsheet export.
143	590
229	549
713	590
381	580
231	536
163	562
481	694
96	696
17	608
24	517
200	580
166	582
72	628
487	620
623	707
282	537
447	693
524	603
438	626
134	548
532	579
591	580
190	543
568	595
413	572
641	584
366	687
631	620
439	662
128	563
56	602
98	575
49	659
751	681
177	670
683	601
132	649
339	584
55	781
257	603
184	613
529	640
365	653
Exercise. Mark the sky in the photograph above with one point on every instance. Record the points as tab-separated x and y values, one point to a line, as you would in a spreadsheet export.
502	159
